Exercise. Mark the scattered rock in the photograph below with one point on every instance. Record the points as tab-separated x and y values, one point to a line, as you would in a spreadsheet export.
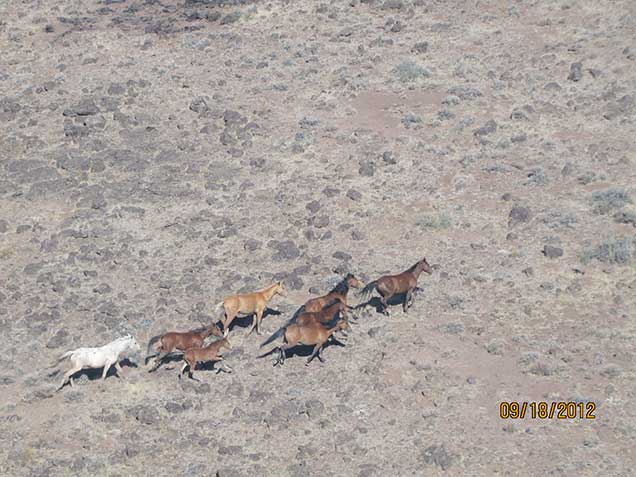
551	251
576	71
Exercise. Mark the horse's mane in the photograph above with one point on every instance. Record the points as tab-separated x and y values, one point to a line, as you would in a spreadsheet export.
268	287
342	286
414	266
333	322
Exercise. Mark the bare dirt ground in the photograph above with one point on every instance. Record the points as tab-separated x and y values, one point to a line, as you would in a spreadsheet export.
156	156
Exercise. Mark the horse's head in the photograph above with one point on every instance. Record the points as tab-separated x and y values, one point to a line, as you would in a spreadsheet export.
215	330
353	282
133	345
280	289
424	266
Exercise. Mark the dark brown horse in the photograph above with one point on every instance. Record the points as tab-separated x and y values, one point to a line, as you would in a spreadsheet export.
339	292
174	340
402	283
323	316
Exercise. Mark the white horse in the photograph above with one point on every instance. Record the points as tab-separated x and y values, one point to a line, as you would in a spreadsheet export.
104	356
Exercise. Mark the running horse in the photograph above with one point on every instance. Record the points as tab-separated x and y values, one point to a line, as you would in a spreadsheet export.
254	303
402	283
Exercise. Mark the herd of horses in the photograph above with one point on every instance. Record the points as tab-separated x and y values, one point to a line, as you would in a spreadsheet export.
313	324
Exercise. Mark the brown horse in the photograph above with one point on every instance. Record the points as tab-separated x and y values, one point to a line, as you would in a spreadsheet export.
211	352
339	292
174	340
249	304
323	316
314	333
402	283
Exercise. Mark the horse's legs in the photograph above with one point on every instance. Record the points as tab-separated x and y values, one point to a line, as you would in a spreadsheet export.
226	368
158	361
385	305
322	360
407	299
120	373
259	318
106	368
68	376
229	317
315	352
185	365
281	353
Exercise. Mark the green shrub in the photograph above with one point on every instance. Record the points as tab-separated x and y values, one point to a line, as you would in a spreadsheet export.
619	251
606	201
440	221
409	71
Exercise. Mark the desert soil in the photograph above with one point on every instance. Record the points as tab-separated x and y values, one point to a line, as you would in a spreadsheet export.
157	156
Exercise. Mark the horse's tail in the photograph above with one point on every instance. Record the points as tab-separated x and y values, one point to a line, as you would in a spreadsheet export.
368	289
66	355
151	343
278	334
218	306
296	314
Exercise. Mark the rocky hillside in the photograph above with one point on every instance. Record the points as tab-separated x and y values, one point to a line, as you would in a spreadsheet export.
159	155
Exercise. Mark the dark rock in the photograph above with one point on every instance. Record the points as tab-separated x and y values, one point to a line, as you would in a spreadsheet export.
411	120
354	195
59	339
488	128
199	105
252	244
357	235
389	157
309	122
313	206
367	168
519	214
576	72
551	251
4	226
341	256
420	47
320	221
286	250
437	455
116	89
86	107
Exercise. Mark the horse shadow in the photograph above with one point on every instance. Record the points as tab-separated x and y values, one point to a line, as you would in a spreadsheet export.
95	374
245	321
301	350
376	303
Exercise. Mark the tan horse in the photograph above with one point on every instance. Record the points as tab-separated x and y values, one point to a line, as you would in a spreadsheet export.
249	304
402	283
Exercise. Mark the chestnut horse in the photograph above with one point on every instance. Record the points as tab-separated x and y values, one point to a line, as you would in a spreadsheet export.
313	333
306	318
174	340
211	352
402	283
249	304
339	292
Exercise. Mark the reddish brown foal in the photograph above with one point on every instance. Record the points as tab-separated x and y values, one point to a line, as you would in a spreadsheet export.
174	340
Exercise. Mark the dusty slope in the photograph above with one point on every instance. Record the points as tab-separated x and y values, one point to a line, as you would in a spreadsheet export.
158	155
